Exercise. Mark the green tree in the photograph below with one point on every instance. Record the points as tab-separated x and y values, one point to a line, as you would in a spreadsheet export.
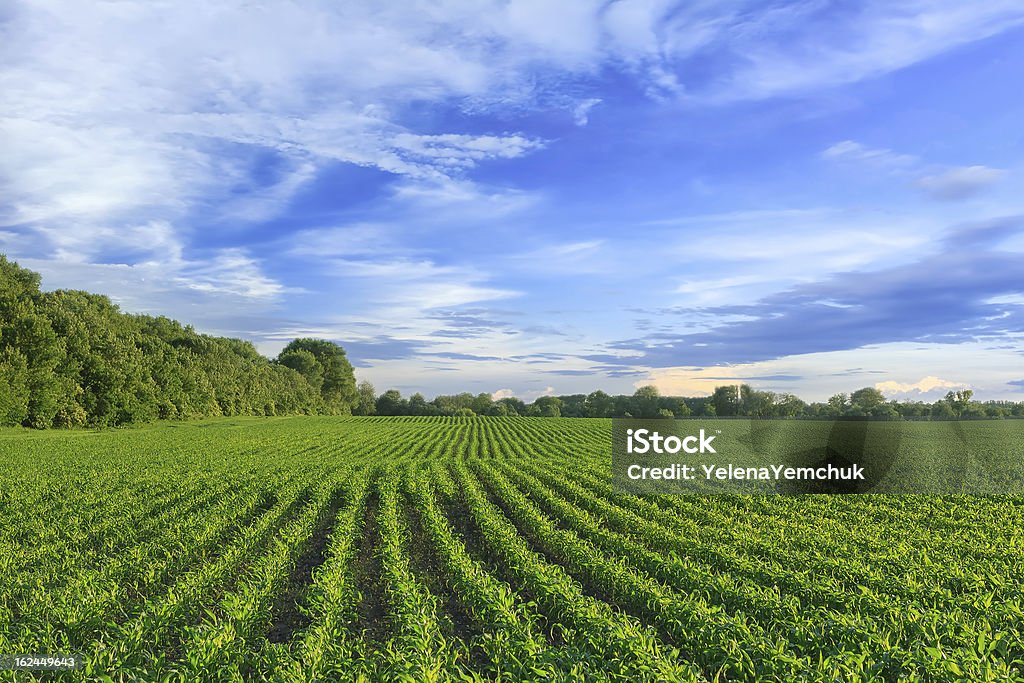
837	404
391	403
574	405
598	404
418	405
498	409
959	400
726	400
366	399
513	405
645	402
338	387
14	390
756	403
86	362
481	404
865	401
304	363
789	405
887	410
973	409
548	406
24	328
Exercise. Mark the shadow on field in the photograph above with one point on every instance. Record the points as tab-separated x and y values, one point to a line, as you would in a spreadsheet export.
286	617
372	621
845	446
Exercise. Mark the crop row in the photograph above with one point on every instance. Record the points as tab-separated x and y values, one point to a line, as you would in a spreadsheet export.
435	549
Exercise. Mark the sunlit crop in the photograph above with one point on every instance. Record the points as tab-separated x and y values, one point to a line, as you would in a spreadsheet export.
432	549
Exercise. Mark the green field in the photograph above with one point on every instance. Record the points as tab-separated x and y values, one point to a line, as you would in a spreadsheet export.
298	549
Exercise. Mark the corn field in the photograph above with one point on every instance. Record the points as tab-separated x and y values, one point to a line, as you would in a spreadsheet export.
476	549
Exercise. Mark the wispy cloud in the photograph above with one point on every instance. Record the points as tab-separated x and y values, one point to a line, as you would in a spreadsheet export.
581	114
564	258
942	297
398	284
849	150
232	295
942	183
798	47
462	151
959	183
110	87
231	271
387	175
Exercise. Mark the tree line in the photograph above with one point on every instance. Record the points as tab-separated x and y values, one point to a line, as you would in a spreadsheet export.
646	402
69	358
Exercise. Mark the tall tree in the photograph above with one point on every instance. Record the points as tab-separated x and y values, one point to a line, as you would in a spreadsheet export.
482	403
366	399
838	403
418	405
391	403
339	382
513	405
598	404
959	400
645	402
547	406
865	401
726	400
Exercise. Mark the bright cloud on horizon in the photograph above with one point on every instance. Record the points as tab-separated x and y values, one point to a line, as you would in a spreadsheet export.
536	198
923	386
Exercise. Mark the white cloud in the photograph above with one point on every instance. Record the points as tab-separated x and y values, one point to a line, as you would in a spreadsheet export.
922	386
401	287
128	127
462	151
358	239
449	200
948	184
849	150
581	114
816	376
720	291
959	183
563	258
231	271
791	245
231	295
265	203
128	113
120	114
802	47
503	393
533	395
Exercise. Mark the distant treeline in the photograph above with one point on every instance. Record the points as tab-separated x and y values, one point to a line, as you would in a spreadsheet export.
70	358
646	402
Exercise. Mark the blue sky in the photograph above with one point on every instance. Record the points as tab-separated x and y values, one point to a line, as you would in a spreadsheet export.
533	197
